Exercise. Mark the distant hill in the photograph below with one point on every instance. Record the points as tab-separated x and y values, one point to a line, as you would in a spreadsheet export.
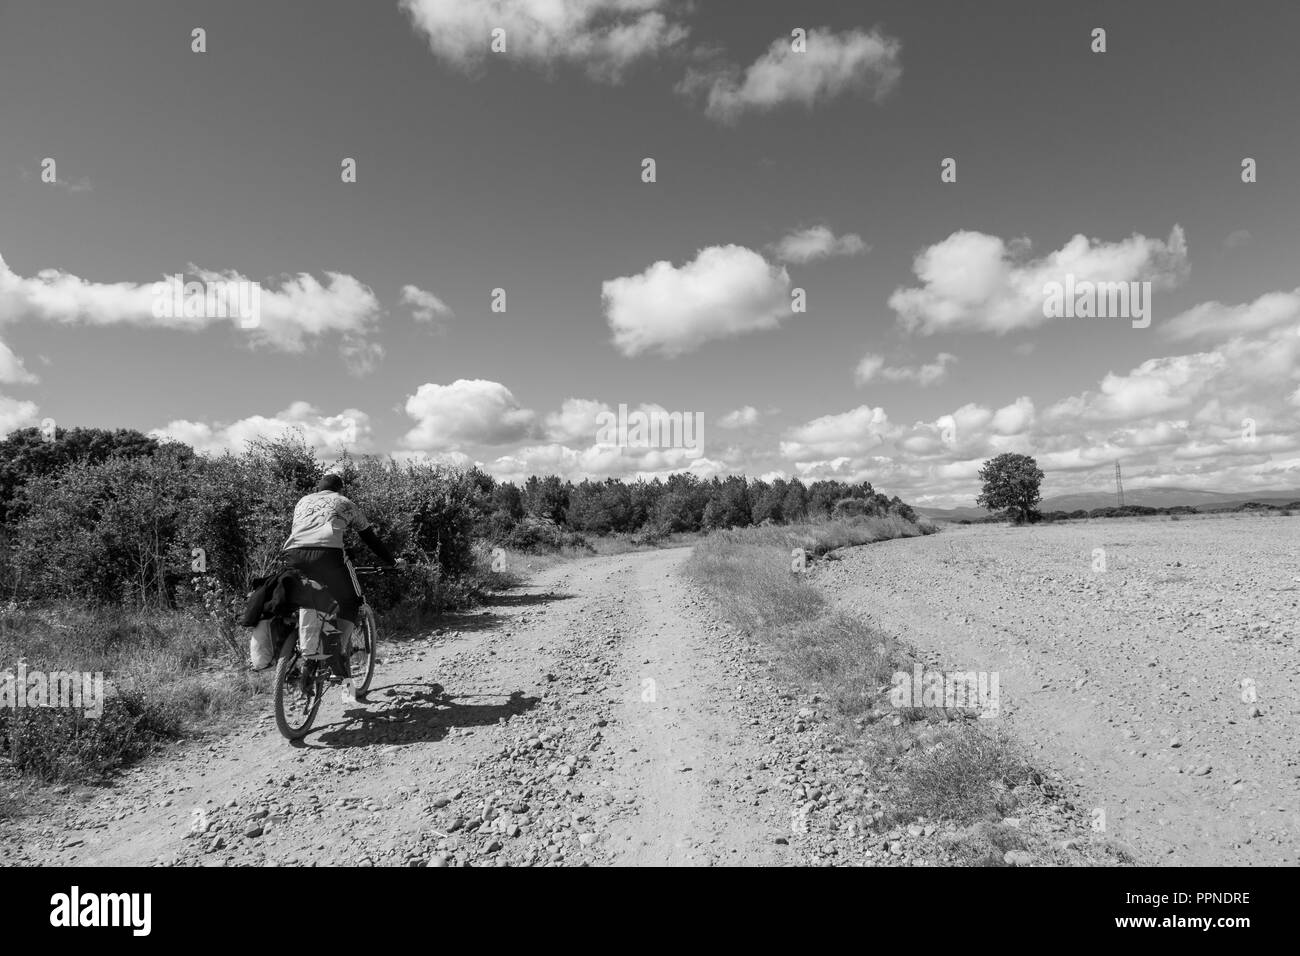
1154	497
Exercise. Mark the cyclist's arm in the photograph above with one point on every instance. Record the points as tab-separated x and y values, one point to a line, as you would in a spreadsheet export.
355	517
376	545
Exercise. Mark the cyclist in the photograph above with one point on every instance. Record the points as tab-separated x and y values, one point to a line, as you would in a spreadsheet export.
315	547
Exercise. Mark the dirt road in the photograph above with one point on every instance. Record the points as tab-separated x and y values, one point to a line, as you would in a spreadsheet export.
1154	662
603	715
599	715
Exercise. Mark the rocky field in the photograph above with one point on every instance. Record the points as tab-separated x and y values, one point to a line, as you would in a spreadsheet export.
1155	662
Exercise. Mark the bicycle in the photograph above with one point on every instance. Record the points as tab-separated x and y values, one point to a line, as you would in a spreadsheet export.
301	682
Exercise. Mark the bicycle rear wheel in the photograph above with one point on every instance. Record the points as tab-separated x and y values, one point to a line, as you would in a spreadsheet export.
298	690
365	641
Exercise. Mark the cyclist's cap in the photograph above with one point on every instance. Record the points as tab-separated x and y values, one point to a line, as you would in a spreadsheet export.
330	483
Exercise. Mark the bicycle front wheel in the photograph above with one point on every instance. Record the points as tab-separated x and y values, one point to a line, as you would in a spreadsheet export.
365	642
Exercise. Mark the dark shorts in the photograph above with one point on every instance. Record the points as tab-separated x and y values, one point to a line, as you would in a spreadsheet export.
328	567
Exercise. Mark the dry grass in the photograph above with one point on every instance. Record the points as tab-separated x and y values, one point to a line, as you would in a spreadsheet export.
938	770
964	775
167	655
163	673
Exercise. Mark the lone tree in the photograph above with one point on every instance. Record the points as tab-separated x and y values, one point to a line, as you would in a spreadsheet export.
1011	484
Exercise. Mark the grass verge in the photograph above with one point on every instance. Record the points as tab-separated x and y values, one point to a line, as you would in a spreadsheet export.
166	674
162	672
935	765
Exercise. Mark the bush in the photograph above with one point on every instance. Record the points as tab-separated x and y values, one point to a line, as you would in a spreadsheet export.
27	454
139	531
58	744
539	536
101	532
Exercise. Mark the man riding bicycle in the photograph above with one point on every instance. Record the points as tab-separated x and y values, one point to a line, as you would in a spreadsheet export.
315	547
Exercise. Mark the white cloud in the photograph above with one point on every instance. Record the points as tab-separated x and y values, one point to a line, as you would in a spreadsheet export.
868	368
301	307
576	445
575	421
848	433
425	306
1215	320
854	61
977	282
360	357
725	291
872	367
604	37
1156	387
12	370
1221	419
817	242
15	414
1015	418
56	296
742	417
466	412
349	430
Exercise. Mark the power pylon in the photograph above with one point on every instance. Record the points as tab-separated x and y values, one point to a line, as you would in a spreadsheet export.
1119	486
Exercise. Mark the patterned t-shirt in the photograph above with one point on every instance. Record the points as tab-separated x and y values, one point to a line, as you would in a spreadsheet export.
319	520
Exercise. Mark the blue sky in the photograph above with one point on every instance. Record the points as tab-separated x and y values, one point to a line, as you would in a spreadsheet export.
923	350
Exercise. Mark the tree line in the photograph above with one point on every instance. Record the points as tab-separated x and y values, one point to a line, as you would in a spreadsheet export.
119	517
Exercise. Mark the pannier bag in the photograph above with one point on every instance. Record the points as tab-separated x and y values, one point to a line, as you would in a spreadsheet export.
268	637
261	646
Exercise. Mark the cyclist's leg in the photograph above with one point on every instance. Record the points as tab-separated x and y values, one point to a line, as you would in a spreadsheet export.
328	567
349	609
329	570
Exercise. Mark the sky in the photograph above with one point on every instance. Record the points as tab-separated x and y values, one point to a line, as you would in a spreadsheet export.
843	264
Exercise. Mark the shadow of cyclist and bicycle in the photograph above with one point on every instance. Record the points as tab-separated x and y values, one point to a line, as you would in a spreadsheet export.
412	712
416	712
